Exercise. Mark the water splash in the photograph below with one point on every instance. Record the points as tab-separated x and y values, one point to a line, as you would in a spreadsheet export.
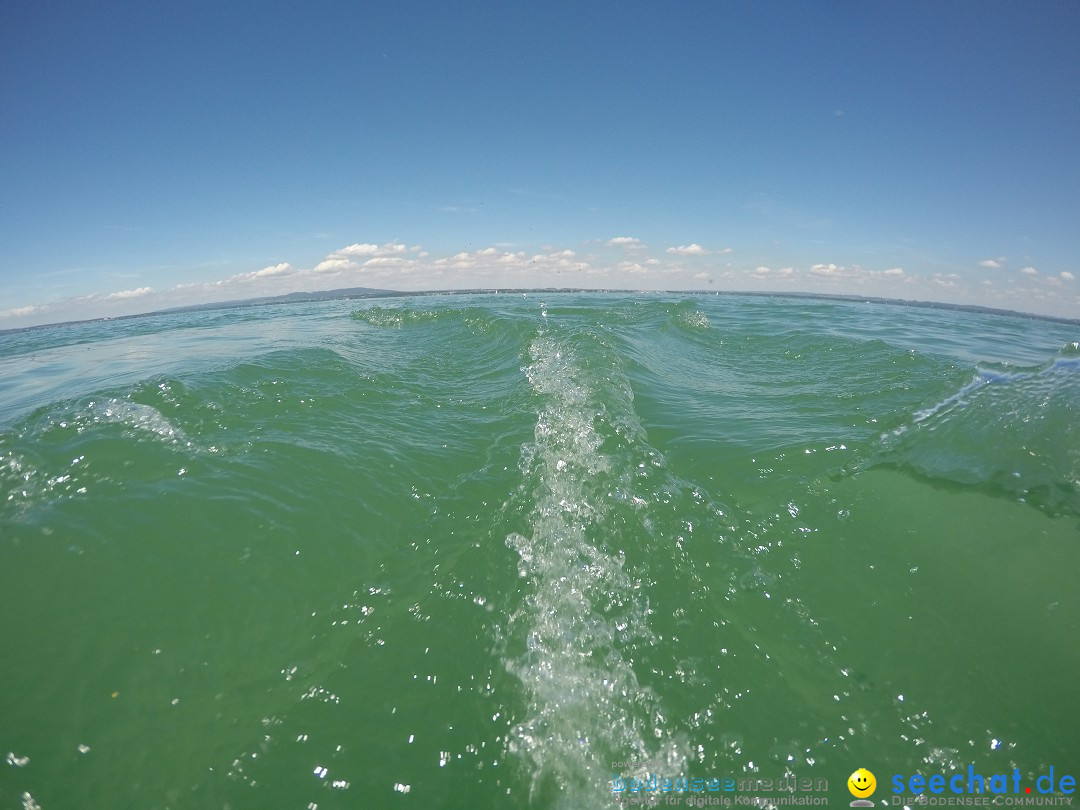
585	706
135	415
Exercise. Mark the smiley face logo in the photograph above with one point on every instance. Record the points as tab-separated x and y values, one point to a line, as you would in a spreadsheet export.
861	783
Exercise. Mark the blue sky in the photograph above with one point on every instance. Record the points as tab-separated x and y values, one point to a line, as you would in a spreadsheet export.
160	154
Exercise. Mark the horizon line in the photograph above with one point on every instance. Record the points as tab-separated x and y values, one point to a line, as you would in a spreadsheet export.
348	293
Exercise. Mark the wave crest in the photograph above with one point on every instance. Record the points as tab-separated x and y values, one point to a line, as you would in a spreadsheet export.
1009	431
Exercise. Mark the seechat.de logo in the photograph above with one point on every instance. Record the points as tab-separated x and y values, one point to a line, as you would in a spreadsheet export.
999	783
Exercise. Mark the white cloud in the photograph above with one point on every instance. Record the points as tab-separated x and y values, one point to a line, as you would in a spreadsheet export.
773	272
693	249
21	312
347	258
385	261
364	249
122	294
334	265
358	249
501	269
395	266
990	263
628	242
282	269
854	274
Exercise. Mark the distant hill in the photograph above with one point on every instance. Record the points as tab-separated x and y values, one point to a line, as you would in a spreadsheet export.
288	298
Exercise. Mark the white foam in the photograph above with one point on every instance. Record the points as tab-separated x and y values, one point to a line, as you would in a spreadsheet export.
136	415
585	706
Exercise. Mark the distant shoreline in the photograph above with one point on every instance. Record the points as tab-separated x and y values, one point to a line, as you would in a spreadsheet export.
360	293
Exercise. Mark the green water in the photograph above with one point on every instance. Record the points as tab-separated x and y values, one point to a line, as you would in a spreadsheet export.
458	551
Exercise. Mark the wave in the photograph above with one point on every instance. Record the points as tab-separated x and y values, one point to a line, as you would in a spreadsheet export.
1008	431
550	535
47	458
477	319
